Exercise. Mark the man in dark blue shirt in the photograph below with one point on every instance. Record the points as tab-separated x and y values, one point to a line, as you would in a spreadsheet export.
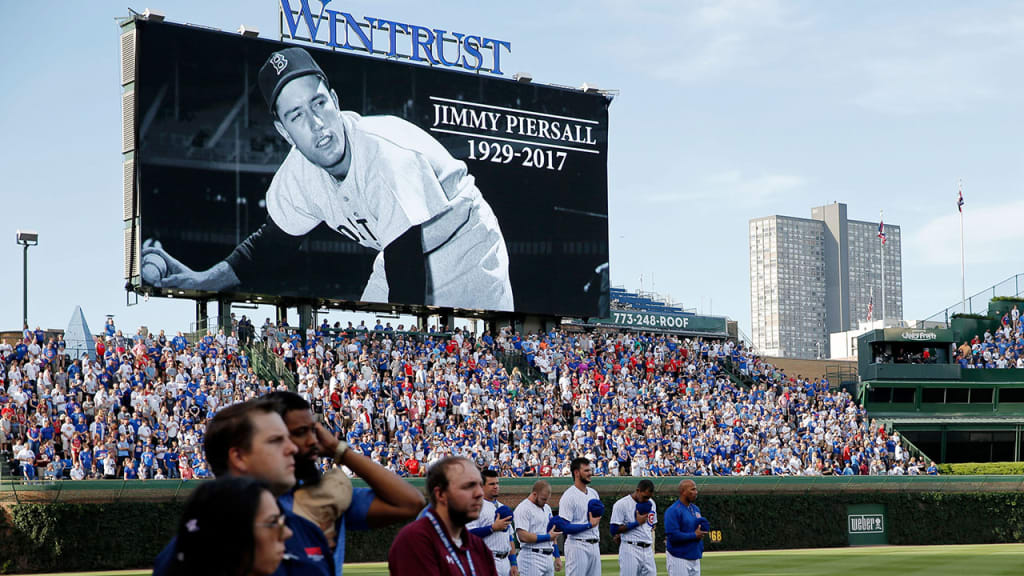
684	533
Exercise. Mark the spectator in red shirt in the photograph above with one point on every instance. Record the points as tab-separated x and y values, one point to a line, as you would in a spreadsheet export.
412	466
438	543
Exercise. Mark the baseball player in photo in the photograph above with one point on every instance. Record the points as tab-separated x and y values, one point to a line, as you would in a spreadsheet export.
633	519
537	533
379	181
684	533
494	526
580	509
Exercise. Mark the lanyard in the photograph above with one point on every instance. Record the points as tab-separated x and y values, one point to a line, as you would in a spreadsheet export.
448	545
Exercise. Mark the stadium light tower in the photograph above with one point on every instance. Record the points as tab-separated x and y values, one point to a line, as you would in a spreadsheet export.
26	238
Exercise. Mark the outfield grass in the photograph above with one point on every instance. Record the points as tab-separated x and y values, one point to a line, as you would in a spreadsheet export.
974	560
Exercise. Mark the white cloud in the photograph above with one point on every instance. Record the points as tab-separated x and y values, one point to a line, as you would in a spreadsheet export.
946	62
938	83
991	233
733	185
703	40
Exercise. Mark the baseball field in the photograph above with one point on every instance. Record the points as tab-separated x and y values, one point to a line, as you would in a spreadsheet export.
980	560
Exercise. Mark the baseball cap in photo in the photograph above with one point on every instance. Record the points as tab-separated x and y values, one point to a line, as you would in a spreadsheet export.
503	512
281	68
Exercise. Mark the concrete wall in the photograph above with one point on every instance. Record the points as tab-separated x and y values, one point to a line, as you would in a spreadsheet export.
809	368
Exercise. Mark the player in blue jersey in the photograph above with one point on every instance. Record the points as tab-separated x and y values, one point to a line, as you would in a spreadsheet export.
684	533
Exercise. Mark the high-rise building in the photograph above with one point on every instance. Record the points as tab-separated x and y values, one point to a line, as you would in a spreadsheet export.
812	277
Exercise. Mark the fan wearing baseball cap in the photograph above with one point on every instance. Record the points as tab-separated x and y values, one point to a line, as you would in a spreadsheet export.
379	181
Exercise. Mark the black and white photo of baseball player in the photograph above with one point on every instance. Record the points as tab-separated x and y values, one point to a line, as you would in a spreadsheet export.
379	181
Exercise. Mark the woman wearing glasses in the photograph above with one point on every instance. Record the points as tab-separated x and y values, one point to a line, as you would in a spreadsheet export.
232	526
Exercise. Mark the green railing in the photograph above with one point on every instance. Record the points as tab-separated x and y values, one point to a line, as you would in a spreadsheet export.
516	360
16	491
1012	286
909	446
268	365
735	375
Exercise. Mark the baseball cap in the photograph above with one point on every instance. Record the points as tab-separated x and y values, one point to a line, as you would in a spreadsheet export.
644	507
556	521
281	68
595	507
503	512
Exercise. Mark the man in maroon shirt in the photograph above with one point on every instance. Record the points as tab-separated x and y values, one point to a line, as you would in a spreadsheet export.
438	544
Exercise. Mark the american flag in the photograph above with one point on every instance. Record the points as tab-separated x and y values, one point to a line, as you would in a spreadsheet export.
960	200
881	231
871	309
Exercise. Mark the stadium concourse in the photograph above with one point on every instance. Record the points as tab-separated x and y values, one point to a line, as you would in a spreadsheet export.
635	404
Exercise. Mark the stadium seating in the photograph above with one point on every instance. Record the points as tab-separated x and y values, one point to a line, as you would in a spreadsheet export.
636	404
1002	349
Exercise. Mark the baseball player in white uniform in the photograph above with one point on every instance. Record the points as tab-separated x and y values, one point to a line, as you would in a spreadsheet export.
494	526
379	181
632	522
582	541
536	534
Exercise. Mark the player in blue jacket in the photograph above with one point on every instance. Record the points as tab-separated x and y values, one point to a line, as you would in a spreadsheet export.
684	533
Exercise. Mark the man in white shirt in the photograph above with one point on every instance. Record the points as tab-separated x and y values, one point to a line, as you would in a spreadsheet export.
67	431
27	458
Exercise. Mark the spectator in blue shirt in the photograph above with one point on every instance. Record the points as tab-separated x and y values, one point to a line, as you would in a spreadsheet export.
147	459
129	470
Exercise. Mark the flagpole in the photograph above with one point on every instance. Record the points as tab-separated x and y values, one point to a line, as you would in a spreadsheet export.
963	275
881	251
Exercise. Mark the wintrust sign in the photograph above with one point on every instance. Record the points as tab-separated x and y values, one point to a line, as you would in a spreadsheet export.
435	46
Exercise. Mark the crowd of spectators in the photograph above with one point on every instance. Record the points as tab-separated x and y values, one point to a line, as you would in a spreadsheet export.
634	404
1002	349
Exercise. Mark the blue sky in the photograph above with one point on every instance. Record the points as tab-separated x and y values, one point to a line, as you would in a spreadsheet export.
727	111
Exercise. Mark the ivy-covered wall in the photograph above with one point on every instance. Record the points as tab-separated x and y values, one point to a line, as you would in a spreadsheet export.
67	537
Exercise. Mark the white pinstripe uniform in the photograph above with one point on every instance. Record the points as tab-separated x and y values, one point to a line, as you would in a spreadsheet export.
391	187
534	519
635	560
581	558
498	542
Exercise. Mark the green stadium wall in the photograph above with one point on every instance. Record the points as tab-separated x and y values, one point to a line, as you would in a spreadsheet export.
751	513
